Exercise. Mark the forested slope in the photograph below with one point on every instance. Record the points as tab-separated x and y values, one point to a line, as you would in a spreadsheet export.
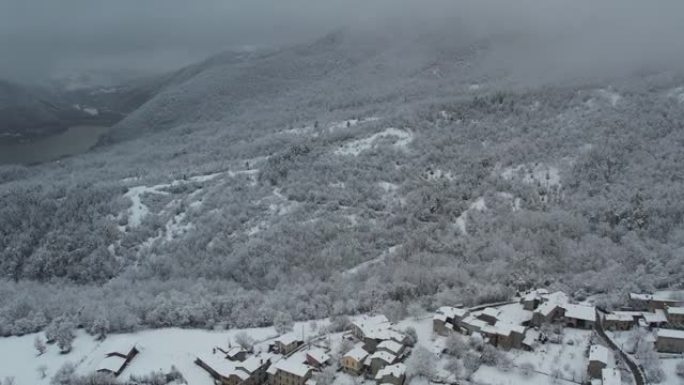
334	178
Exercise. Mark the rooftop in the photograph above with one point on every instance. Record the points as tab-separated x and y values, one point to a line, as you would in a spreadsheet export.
357	353
611	376
111	363
391	346
675	310
396	371
385	356
671	333
294	365
452	312
318	354
599	353
622	316
656	317
472	321
581	312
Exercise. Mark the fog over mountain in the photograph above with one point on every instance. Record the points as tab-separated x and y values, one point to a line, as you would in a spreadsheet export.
259	161
42	38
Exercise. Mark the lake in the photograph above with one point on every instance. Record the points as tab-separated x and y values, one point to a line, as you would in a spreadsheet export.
75	140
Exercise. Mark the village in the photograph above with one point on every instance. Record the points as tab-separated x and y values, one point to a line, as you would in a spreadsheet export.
371	349
536	337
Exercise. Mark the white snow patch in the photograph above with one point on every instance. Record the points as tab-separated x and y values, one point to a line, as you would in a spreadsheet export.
540	173
677	93
461	221
364	265
474	87
612	96
334	126
439	174
356	147
138	210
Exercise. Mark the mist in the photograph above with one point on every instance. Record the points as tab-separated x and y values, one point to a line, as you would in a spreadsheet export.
43	39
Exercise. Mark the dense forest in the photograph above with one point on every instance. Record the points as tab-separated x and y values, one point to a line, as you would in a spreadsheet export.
448	188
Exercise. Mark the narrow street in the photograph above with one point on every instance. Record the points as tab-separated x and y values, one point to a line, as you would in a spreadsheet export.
633	367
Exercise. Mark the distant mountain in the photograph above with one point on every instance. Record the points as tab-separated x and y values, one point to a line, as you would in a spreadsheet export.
341	70
27	113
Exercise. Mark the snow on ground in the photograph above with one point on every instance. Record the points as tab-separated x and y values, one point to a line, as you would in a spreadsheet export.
369	263
568	357
515	202
669	366
334	126
461	221
539	173
138	210
438	174
677	93
280	205
160	349
610	95
356	147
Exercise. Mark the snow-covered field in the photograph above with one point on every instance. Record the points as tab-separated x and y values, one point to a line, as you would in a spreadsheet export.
159	350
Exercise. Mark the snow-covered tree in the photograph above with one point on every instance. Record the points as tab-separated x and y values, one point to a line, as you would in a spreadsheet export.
412	335
39	345
455	345
680	369
244	340
283	322
42	371
421	363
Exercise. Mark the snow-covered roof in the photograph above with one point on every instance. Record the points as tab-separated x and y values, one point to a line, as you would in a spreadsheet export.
611	376
491	312
391	346
357	354
222	366
371	323
530	337
287	339
396	371
672	296
474	322
640	297
671	333
293	365
624	316
452	312
505	328
232	352
252	363
558	297
675	310
669	296
319	355
599	353
440	317
656	317
111	363
547	308
385	356
383	334
581	312
514	313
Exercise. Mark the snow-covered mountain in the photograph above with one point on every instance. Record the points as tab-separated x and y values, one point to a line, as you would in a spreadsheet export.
361	171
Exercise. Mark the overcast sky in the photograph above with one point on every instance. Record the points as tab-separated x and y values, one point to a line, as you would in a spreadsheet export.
42	38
